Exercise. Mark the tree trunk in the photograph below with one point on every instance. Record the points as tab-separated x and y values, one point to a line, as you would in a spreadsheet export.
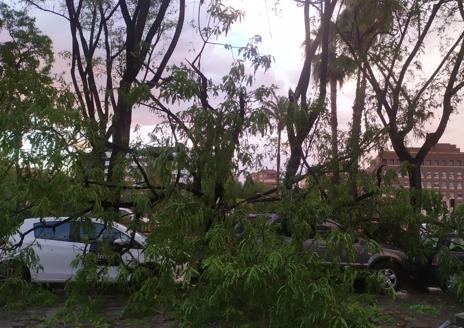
415	183
358	109
296	154
121	134
279	136
334	127
414	174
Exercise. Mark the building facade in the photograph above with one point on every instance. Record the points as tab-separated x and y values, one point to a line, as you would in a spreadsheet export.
441	171
265	177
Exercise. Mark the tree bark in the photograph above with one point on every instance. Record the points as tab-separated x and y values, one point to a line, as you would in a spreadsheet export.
122	120
296	154
415	179
279	136
358	109
334	128
298	131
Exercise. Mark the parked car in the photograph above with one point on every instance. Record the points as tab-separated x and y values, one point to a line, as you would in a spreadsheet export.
388	260
57	243
432	273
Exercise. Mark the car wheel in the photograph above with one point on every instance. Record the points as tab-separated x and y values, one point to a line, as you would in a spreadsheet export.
14	269
391	273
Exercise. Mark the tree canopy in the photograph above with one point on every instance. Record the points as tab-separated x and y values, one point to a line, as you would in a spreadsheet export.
68	149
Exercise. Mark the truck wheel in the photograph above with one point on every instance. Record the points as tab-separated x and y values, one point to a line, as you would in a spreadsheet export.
392	274
448	283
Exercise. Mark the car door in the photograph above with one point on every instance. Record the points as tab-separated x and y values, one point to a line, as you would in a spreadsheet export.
133	255
55	249
95	236
130	251
318	243
364	250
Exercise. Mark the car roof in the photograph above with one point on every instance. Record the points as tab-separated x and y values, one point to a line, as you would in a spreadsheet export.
57	218
329	223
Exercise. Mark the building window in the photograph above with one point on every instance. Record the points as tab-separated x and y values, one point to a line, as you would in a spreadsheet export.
392	162
459	162
443	175
451	162
436	175
436	185
451	176
451	185
428	162
459	195
429	175
459	186
459	175
451	195
443	162
443	185
429	185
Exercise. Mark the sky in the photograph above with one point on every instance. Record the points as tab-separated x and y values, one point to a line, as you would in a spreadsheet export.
281	29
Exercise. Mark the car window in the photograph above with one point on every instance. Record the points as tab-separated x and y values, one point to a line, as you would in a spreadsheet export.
456	244
324	230
93	231
52	230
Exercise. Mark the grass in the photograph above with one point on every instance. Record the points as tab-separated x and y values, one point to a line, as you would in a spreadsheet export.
423	308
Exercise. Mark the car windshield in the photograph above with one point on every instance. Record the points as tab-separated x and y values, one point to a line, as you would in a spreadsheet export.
456	244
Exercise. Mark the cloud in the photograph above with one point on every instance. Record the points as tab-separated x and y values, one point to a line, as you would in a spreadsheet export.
282	36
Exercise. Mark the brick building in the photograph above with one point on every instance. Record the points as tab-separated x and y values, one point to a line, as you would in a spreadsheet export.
266	177
442	170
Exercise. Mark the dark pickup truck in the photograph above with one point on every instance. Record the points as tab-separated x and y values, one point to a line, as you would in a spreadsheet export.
433	272
390	261
396	267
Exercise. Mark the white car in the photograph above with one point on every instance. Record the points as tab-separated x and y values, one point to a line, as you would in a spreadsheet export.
57	243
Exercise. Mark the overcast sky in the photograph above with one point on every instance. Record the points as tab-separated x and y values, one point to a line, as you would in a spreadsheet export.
282	34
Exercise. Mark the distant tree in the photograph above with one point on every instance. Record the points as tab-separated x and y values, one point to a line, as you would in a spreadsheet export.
277	107
359	25
251	187
301	115
26	58
130	43
406	97
340	67
38	126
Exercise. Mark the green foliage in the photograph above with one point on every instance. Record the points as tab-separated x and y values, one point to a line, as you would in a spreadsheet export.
260	278
39	127
18	294
199	267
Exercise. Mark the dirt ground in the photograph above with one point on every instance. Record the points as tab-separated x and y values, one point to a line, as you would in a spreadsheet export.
112	310
413	309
